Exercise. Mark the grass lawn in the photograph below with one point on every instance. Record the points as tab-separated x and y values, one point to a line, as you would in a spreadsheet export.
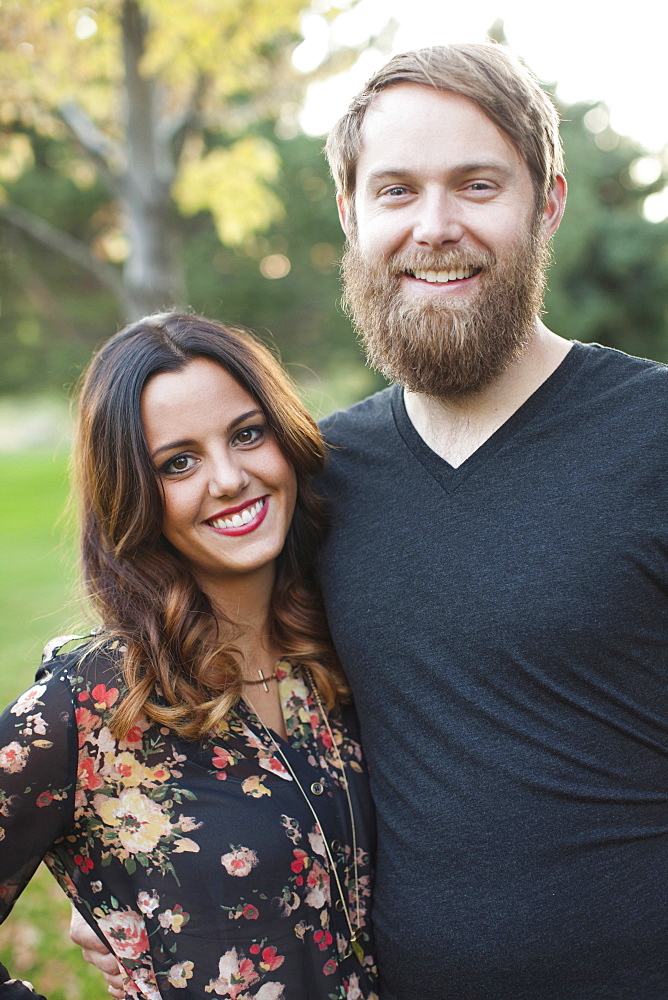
36	590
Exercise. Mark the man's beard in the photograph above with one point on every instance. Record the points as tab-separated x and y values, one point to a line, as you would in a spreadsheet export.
446	347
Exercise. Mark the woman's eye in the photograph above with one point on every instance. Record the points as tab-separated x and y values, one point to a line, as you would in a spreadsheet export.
249	435
180	463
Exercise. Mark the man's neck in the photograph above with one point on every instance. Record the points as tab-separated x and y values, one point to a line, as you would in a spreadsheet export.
456	428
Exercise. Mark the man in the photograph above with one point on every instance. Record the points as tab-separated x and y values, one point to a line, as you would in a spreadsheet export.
496	573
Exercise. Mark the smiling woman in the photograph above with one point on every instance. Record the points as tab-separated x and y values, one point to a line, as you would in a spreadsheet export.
212	446
190	742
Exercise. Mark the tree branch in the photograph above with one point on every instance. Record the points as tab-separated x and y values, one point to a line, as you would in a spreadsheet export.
72	248
102	150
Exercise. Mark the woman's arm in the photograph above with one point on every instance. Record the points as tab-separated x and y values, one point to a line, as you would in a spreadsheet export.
38	766
96	954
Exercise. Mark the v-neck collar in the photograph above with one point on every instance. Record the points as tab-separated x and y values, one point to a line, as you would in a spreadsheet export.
294	695
449	477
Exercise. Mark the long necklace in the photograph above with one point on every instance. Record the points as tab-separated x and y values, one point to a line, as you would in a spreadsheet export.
354	943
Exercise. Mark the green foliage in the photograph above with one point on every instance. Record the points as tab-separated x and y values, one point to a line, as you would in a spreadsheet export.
54	316
298	311
609	281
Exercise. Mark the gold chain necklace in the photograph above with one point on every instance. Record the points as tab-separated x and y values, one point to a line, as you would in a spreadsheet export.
354	931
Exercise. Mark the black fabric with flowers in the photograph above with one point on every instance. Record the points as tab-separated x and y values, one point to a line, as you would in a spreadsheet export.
200	864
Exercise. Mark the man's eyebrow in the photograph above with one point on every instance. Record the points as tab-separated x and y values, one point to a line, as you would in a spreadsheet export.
189	442
496	167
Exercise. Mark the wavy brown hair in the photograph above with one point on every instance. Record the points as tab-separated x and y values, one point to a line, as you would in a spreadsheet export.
179	661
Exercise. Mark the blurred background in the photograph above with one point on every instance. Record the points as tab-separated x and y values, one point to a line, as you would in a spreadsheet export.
155	153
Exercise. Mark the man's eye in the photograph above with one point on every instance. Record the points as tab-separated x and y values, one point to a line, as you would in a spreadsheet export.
249	435
396	191
180	463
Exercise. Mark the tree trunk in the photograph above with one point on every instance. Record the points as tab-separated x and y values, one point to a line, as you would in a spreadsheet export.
152	275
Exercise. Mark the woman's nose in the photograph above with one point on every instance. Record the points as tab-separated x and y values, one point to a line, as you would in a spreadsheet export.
228	477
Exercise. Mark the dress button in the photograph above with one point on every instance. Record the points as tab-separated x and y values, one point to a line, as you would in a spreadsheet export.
317	788
335	845
338	905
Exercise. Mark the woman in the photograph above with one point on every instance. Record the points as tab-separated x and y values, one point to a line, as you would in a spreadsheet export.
189	774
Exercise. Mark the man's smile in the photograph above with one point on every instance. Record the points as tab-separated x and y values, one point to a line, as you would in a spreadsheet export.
442	277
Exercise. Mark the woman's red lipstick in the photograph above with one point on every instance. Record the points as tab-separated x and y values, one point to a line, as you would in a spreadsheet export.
257	511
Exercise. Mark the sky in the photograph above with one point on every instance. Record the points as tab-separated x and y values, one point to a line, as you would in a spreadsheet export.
614	53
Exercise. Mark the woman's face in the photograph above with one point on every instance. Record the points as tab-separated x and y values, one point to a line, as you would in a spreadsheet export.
229	492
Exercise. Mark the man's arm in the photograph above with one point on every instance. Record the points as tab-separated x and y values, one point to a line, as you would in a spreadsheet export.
95	953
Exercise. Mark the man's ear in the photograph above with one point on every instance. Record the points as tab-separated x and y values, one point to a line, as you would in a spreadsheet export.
554	207
346	214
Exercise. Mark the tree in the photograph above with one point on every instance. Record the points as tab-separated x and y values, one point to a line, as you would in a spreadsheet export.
609	281
137	89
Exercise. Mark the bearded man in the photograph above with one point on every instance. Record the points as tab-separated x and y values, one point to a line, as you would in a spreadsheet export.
496	573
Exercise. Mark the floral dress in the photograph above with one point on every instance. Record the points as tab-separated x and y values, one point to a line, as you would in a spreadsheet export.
200	864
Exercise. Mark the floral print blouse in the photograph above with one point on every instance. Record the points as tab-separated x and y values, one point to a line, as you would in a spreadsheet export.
199	863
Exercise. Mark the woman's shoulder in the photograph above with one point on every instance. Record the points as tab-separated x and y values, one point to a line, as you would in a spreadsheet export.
85	662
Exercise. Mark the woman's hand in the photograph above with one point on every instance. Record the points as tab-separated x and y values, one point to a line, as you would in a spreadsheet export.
95	953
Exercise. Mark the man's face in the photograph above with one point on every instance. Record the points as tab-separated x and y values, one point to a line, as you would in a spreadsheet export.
444	271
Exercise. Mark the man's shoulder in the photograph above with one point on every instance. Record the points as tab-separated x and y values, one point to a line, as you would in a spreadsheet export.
623	386
612	363
374	412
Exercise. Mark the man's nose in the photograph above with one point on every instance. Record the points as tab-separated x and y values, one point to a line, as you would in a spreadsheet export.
227	476
438	221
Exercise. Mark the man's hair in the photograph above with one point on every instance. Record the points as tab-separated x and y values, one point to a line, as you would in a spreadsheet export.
488	74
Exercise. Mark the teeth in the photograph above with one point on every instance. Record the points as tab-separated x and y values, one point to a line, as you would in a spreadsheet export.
238	520
441	277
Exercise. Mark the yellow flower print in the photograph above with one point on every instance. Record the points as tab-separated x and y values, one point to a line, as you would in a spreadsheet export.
141	823
254	786
179	974
185	845
173	920
126	770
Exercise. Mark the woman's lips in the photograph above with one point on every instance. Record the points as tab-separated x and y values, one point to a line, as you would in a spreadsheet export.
240	520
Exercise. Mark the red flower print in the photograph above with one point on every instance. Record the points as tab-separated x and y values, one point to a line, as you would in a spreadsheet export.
323	939
329	968
104	697
254	949
301	861
221	758
270	960
87	776
273	764
44	799
85	864
127	932
250	912
86	723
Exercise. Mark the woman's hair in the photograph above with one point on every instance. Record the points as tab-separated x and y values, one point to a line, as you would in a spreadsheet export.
486	73
179	660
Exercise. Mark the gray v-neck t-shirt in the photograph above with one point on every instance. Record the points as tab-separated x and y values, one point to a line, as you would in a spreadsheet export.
504	627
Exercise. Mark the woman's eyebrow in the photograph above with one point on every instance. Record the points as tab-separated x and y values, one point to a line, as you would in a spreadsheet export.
189	442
